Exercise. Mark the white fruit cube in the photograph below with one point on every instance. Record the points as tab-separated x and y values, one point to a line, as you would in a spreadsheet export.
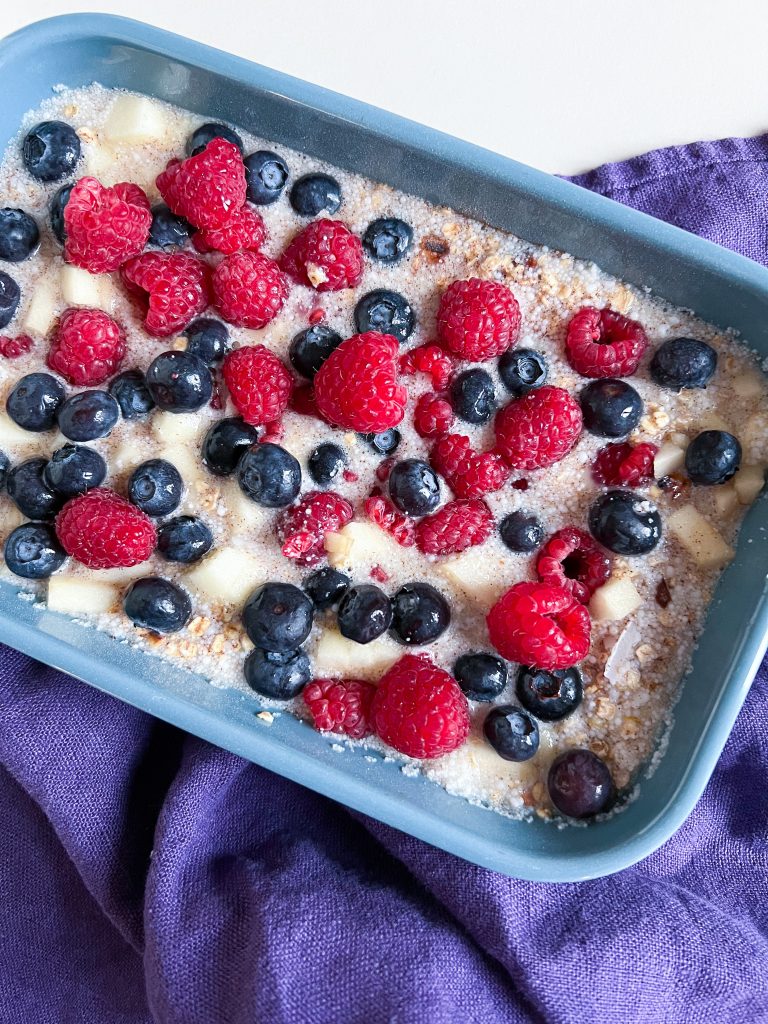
711	421
186	460
81	288
122	575
335	655
135	119
172	428
748	385
76	595
616	599
361	543
472	574
101	163
229	575
748	483
726	499
244	515
12	436
699	538
668	459
41	311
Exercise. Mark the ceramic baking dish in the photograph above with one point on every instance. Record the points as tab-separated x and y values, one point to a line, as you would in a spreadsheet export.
719	285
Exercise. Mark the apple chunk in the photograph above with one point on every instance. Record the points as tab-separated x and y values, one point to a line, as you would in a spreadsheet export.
616	599
699	538
135	119
75	595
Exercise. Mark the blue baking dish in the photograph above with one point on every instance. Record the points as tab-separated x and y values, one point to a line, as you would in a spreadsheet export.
719	285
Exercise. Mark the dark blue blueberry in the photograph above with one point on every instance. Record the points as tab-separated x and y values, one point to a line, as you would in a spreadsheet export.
269	475
168	229
51	150
184	539
326	463
611	408
88	415
10	293
208	339
265	175
226	443
5	464
626	523
19	235
712	457
512	733
56	212
326	587
473	396
549	696
157	604
275	675
414	487
209	131
580	784
34	402
30	493
179	382
33	551
130	391
388	239
481	676
683	363
278	617
74	469
521	531
385	443
365	612
420	614
313	193
311	347
522	370
386	312
156	487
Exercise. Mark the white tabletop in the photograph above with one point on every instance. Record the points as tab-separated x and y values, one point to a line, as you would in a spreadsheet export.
560	84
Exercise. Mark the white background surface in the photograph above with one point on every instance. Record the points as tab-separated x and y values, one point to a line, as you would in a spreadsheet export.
560	84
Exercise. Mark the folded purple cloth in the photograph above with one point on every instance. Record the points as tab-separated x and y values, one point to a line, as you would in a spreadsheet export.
148	876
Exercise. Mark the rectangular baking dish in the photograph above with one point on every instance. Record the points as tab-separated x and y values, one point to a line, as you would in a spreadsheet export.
720	286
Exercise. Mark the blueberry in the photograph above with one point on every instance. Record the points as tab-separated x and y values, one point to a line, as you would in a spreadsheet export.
168	229
473	396
184	539
207	339
88	415
278	617
611	408
712	457
481	676
420	614
522	370
365	612
265	175
156	487
74	469
388	239
549	696
209	131
385	443
56	212
157	604
33	551
275	675
326	463
626	523
130	391
179	382
521	531
386	312
225	444
315	193
414	487
311	347
51	150
580	784
269	475
34	402
19	235
30	493
683	363
512	733
10	293
326	587
5	464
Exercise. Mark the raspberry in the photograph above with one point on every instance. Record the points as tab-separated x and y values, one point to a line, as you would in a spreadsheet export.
173	287
244	230
624	465
538	624
573	560
326	256
104	531
302	401
429	359
356	387
208	188
249	289
87	346
301	529
383	513
105	226
258	382
432	416
601	343
12	348
478	319
419	709
538	429
455	527
340	705
469	475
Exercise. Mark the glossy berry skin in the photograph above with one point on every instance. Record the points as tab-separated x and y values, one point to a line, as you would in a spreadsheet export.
10	293
207	339
385	443
340	705
130	391
56	212
386	312
201	136
604	343
521	531
571	559
357	387
473	396
14	348
206	188
512	732
326	463
259	384
610	407
88	415
481	676
478	319
269	475
225	444
364	614
469	474
104	227
34	402
625	523
550	696
523	370
275	675
87	347
683	363
622	464
534	623
325	255
74	469
420	614
387	239
104	531
580	784
249	289
433	416
326	587
19	235
33	552
5	464
179	382
167	230
30	493
458	525
265	175
314	193
50	151
173	288
245	230
156	487
184	539
278	617
158	605
311	347
712	457
431	360
414	487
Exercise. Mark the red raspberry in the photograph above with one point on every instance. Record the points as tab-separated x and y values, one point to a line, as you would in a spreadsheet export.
173	286
87	346
326	256
538	429
429	359
12	348
573	560
356	387
469	474
432	416
208	188
104	531
538	624
382	512
249	289
105	226
601	343
455	527
258	382
244	230
419	709
301	529
478	319
624	465
340	705
302	401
